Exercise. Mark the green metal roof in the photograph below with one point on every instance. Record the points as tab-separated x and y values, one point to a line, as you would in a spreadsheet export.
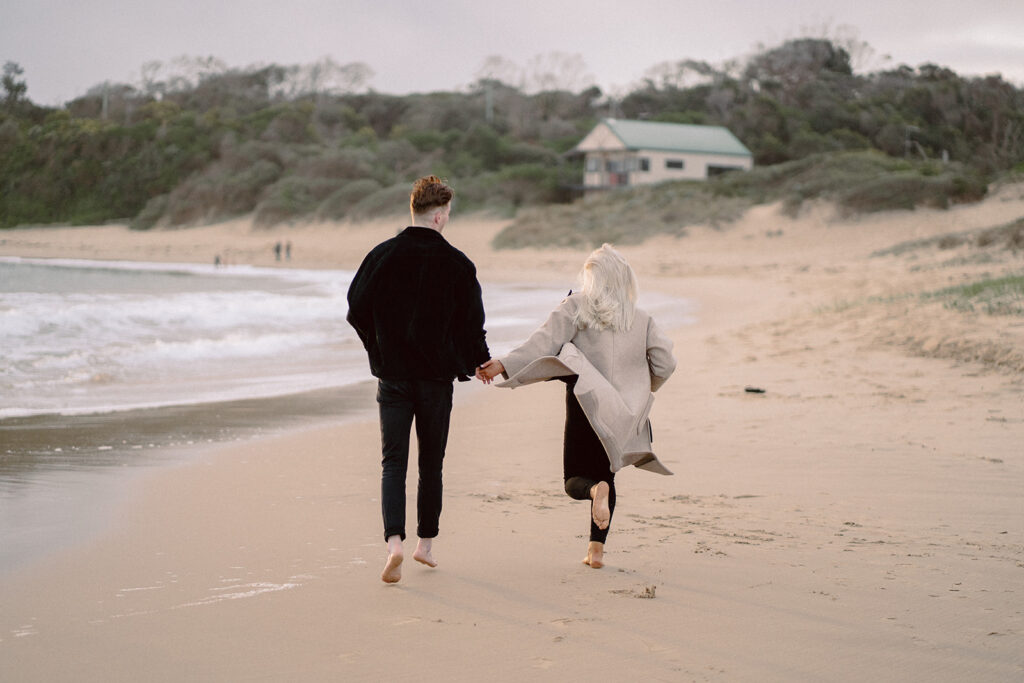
677	137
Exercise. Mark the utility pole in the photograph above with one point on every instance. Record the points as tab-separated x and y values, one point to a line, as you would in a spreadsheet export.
489	102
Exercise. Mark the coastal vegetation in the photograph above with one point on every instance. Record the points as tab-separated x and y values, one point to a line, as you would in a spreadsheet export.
856	181
196	141
993	295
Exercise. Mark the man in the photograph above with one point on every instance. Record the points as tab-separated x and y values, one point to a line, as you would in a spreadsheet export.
415	303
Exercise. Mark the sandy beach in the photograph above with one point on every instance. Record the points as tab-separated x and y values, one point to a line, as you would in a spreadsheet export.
862	519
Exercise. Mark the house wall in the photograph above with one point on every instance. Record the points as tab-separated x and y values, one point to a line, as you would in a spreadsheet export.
600	139
695	166
624	167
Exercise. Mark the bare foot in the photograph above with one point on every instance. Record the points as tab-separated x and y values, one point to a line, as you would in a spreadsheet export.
595	555
393	569
600	509
422	553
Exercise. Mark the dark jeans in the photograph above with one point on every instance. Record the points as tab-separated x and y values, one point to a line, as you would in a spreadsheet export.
584	461
430	403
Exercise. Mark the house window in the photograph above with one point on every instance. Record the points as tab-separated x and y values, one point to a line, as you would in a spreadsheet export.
719	170
645	164
674	163
593	164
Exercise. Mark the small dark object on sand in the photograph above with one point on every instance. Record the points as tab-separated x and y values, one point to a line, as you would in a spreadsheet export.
754	390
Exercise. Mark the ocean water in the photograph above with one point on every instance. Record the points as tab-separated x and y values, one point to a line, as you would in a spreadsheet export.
87	337
108	365
93	337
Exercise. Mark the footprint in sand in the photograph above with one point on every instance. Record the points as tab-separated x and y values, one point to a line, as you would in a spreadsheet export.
645	592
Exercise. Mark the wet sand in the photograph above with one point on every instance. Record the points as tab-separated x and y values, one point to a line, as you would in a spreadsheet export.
51	466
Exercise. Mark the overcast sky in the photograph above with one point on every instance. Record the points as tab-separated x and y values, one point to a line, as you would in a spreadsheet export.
67	46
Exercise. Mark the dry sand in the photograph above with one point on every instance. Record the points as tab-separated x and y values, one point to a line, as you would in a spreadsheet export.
863	519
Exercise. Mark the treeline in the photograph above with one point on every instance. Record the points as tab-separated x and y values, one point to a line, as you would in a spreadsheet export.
803	98
310	142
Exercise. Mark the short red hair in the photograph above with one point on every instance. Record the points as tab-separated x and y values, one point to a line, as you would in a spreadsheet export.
429	192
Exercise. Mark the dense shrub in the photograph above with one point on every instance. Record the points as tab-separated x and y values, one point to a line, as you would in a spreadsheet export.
151	213
387	201
348	163
907	190
338	205
217	192
857	181
293	197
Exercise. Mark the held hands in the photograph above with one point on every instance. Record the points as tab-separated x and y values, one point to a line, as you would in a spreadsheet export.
489	370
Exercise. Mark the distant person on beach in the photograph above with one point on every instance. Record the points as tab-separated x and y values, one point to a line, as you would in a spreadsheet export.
277	251
612	356
416	304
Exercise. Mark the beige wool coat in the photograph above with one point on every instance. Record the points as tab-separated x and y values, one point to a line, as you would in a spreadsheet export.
618	371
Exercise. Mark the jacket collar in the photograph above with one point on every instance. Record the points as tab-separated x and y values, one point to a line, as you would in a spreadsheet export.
420	232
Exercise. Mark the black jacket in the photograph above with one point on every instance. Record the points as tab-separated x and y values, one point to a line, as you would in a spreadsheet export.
415	303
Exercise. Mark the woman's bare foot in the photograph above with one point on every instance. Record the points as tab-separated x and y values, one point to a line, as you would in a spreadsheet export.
422	553
595	555
393	568
600	509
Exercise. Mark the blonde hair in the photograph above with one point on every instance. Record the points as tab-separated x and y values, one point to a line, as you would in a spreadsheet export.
609	291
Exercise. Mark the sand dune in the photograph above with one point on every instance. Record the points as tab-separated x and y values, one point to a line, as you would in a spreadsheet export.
861	519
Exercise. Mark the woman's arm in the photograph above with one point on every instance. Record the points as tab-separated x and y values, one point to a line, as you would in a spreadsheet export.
659	355
546	340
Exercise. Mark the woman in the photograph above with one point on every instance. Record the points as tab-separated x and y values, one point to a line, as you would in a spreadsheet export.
612	356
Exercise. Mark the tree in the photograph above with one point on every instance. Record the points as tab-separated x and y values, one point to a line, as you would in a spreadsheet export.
679	75
497	69
323	77
846	37
14	89
557	71
796	63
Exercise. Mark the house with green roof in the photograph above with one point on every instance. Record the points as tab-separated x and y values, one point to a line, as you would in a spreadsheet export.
620	152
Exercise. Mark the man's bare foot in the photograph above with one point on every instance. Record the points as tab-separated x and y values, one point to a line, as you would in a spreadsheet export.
393	568
422	553
600	509
595	555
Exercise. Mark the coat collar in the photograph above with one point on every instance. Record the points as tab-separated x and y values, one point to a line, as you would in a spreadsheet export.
419	232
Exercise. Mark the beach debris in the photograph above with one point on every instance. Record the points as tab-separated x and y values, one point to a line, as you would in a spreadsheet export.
645	592
753	390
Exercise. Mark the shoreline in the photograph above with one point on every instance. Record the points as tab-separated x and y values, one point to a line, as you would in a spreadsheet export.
860	519
53	465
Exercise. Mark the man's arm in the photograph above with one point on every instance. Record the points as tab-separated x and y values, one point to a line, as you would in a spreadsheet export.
360	312
475	317
470	338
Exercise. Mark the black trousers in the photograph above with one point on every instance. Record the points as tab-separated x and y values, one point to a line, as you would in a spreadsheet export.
584	461
430	403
